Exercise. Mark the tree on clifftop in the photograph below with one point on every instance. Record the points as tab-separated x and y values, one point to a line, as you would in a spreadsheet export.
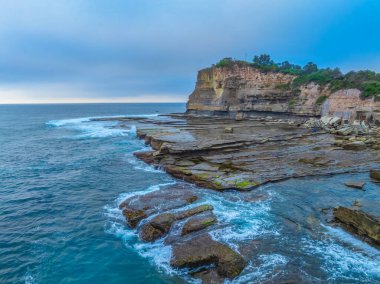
310	67
262	60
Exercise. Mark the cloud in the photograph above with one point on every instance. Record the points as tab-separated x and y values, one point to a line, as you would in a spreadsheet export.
124	49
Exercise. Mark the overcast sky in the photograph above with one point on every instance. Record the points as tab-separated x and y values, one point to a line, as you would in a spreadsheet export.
138	51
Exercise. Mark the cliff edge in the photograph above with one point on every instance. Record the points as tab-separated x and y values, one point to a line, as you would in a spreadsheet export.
241	89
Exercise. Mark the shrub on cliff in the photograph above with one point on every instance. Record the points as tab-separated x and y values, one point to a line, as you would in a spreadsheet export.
321	77
370	89
366	81
225	62
228	62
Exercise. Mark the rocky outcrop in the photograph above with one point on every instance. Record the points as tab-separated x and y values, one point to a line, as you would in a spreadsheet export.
161	224
203	250
355	184
165	213
198	223
240	90
359	222
257	151
375	174
137	208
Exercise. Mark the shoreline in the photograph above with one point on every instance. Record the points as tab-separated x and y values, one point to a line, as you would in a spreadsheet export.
195	150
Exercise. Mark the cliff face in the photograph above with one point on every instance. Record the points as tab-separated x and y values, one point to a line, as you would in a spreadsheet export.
243	89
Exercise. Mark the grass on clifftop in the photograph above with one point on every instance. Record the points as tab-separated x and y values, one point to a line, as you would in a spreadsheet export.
368	82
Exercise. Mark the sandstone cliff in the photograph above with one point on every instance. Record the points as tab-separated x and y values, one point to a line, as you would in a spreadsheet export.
242	90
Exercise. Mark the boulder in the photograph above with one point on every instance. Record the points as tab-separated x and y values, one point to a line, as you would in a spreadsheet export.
356	146
197	223
344	131
325	120
157	227
355	184
228	130
148	233
203	250
335	121
134	216
359	222
375	174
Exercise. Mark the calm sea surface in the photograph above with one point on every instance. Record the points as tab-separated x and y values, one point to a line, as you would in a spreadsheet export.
62	176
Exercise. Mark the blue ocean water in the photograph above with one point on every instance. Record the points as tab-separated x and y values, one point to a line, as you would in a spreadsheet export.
56	177
62	176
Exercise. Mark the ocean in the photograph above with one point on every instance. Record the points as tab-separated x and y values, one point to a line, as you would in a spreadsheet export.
62	177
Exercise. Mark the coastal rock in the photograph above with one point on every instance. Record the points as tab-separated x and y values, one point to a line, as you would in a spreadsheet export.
198	223
203	250
375	174
160	225
355	184
228	130
356	146
157	227
139	207
344	131
257	152
359	222
209	276
196	210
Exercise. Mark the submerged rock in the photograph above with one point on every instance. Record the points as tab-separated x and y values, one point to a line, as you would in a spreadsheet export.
359	222
355	184
203	250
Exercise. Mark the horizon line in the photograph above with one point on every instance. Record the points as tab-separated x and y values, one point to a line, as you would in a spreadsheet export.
76	103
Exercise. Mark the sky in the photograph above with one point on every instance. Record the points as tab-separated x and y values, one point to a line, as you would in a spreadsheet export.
65	51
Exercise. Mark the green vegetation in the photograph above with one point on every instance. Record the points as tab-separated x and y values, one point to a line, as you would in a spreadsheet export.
292	102
283	86
321	100
244	184
368	82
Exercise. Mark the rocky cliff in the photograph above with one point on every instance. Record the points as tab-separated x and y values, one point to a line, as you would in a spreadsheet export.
241	90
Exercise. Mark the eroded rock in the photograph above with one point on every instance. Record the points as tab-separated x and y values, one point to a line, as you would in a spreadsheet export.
359	222
209	276
197	223
139	207
375	174
157	227
355	184
203	250
160	225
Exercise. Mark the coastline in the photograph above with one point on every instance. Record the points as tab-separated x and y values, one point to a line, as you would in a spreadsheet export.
195	149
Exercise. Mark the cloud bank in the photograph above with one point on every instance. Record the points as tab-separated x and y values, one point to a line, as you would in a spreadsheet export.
93	50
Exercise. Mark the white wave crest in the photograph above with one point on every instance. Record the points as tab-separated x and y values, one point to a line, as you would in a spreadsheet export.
342	263
71	121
